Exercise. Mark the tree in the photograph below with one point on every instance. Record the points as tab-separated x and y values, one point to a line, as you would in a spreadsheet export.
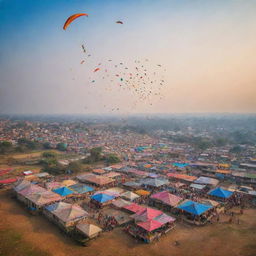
49	154
5	147
112	159
236	149
95	154
61	146
75	166
47	145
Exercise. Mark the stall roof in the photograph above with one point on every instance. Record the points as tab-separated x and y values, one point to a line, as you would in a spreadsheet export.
197	186
63	191
102	198
150	225
206	181
167	198
194	207
134	207
81	188
182	176
220	192
89	230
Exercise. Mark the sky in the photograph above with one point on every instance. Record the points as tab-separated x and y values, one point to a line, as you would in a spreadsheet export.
206	50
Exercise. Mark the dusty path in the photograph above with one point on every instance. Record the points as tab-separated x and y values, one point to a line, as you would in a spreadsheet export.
212	240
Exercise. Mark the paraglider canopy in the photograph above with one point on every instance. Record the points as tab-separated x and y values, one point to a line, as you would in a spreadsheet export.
119	22
72	18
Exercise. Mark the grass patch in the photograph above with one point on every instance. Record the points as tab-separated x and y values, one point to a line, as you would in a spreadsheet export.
11	244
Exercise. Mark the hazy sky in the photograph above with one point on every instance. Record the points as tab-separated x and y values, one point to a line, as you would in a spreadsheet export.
208	48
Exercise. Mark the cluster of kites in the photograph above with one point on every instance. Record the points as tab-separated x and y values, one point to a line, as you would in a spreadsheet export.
136	77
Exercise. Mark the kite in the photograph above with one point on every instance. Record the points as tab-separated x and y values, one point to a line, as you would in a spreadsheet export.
96	69
82	62
83	48
72	18
119	22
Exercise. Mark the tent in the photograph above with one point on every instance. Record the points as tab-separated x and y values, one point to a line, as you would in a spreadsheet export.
142	192
150	225
180	165
206	181
120	203
102	198
8	181
81	188
194	207
89	230
164	218
134	207
146	214
167	198
155	182
67	183
129	195
63	191
220	192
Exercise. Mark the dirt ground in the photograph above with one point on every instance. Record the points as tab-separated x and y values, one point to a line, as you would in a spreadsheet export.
214	239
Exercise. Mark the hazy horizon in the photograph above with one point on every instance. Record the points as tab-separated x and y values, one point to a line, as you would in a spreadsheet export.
206	47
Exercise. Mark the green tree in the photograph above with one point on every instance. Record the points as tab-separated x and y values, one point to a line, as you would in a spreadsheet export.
112	159
47	145
75	166
61	146
5	147
49	154
95	154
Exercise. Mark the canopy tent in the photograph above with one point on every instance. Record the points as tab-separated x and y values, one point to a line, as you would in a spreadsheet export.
155	182
197	186
129	195
146	214
43	198
31	189
21	185
150	225
53	185
81	188
134	207
8	181
194	207
206	181
167	198
89	230
180	165
164	218
63	191
220	192
120	203
102	198
142	192
182	177
67	183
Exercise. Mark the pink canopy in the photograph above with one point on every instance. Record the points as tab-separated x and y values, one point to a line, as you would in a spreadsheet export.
146	214
150	225
167	198
134	207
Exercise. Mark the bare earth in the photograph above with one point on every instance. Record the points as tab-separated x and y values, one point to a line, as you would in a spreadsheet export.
213	239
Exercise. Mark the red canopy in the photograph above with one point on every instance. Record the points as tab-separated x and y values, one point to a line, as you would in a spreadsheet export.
134	207
150	225
8	181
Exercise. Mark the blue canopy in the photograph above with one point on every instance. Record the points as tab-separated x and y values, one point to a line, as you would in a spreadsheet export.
63	191
220	192
81	188
180	165
194	207
102	198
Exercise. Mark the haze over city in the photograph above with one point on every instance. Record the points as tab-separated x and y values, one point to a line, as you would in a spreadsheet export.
206	47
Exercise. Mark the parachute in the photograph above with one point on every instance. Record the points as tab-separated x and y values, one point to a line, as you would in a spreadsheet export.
119	22
72	18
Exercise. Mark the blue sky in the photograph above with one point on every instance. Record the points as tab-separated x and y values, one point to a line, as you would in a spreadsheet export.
206	46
